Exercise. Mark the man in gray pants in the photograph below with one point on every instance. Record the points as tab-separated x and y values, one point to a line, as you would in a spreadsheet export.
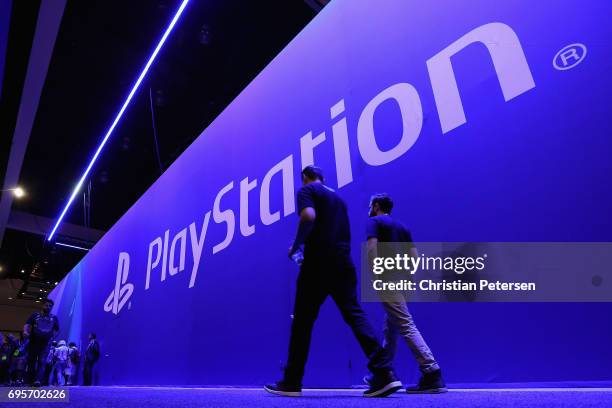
398	320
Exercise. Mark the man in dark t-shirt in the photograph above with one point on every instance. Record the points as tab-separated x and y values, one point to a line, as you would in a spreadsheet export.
382	228
328	270
40	329
92	354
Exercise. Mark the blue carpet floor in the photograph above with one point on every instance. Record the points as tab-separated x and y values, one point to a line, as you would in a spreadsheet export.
154	397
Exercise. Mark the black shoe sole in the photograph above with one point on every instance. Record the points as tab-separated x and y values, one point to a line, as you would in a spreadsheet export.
284	393
428	391
384	391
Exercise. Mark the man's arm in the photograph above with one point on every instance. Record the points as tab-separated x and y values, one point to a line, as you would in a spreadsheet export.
307	218
96	350
55	327
27	328
372	247
414	253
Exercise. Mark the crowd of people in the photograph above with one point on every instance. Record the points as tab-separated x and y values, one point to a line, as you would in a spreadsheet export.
35	358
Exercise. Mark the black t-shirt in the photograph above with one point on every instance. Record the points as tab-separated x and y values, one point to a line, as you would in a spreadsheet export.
386	229
331	234
92	353
396	239
42	327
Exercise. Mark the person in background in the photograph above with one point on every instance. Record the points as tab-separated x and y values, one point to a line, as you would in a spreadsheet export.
92	354
74	359
327	270
48	378
382	228
6	351
19	361
40	329
60	368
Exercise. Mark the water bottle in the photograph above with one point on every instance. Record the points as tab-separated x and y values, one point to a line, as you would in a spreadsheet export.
298	257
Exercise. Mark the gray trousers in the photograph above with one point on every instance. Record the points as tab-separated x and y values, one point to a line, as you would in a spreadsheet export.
399	322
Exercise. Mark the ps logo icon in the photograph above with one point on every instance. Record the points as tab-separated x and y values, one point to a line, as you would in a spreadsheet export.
122	292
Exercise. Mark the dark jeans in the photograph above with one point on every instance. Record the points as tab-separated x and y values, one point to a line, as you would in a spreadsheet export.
88	372
47	375
335	277
4	371
37	356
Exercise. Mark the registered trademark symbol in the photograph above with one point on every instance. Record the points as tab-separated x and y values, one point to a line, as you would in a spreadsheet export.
569	56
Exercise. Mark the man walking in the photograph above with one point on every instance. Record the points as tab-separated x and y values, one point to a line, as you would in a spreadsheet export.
49	366
327	270
381	228
40	328
74	359
60	368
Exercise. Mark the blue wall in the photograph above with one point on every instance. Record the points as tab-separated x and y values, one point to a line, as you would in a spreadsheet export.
533	168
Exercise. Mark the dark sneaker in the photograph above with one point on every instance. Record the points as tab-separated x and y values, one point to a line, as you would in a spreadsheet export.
281	388
36	384
382	385
430	383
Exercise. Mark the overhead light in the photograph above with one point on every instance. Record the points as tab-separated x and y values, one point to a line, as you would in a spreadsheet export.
18	192
38	301
40	290
56	283
10	298
22	271
143	73
1	268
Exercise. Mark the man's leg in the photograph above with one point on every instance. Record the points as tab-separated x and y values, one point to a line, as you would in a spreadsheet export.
33	352
400	318
42	363
344	293
309	297
47	374
57	374
87	373
389	337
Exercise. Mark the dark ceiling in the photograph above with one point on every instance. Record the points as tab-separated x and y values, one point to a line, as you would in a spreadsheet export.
216	49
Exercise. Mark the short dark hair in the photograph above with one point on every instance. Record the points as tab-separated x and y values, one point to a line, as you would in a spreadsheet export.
313	173
384	202
49	301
